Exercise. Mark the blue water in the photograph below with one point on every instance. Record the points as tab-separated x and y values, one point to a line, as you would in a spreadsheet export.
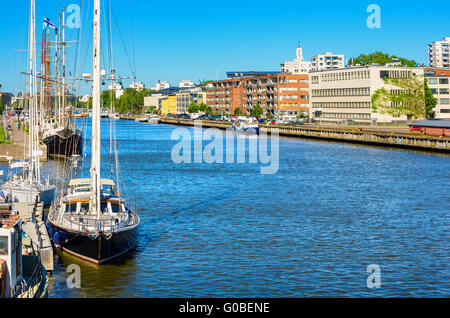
312	229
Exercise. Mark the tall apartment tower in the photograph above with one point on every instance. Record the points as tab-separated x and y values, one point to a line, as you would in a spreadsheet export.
327	61
439	53
298	65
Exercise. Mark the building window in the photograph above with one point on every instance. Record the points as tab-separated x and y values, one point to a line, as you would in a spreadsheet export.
432	80
445	101
443	91
443	81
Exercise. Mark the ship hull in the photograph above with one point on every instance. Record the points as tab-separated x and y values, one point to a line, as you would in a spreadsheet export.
99	250
64	144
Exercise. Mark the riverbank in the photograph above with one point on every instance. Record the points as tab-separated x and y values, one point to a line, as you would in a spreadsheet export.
396	137
18	148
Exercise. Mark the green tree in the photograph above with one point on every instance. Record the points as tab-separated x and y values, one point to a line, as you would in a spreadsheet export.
208	110
256	111
379	58
430	101
407	99
202	107
237	111
2	105
193	108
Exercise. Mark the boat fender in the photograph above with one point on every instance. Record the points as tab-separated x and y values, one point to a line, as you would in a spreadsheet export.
51	231
108	236
62	237
56	238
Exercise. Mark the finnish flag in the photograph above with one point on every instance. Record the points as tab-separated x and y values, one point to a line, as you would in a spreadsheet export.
48	23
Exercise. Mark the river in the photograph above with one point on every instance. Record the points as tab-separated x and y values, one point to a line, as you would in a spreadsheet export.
311	229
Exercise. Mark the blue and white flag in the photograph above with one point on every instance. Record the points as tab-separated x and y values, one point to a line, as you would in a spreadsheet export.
48	23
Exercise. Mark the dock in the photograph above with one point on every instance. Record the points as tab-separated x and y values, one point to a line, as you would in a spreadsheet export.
375	136
34	226
19	148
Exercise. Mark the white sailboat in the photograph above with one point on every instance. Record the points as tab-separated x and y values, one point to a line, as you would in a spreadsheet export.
91	220
24	179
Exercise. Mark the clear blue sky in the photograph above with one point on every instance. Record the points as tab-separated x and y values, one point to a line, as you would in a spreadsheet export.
198	39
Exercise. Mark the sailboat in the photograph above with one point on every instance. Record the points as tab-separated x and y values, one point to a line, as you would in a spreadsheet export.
24	179
91	220
59	133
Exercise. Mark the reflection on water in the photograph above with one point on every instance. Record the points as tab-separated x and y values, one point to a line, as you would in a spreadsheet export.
309	230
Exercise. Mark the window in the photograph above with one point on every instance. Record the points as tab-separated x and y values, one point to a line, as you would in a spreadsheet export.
443	81
444	91
445	111
445	101
432	80
4	245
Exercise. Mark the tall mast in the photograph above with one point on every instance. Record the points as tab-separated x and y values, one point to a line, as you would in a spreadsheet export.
95	160
63	113
34	143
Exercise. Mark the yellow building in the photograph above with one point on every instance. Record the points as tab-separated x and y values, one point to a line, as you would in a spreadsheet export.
169	105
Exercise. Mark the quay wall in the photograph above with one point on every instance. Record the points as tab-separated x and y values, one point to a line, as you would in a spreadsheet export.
17	151
345	134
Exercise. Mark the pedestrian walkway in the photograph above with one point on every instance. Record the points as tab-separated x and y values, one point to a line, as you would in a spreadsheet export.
17	135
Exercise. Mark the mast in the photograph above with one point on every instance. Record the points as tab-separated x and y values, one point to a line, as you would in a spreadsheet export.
33	137
95	159
63	43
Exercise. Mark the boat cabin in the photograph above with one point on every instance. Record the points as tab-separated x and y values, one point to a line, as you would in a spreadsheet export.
77	201
11	267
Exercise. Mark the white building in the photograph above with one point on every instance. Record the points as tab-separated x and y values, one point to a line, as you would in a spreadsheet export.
186	84
327	61
298	65
153	100
342	95
439	83
137	86
161	85
85	98
117	88
439	53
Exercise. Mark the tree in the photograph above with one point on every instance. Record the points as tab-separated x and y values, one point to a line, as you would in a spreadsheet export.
237	111
257	111
2	105
202	107
208	110
193	108
408	99
430	101
379	58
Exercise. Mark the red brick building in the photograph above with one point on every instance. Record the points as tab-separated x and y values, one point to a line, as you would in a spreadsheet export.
274	92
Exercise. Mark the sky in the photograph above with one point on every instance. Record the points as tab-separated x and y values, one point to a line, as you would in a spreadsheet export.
202	40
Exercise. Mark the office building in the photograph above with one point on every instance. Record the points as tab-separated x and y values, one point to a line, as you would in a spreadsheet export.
346	94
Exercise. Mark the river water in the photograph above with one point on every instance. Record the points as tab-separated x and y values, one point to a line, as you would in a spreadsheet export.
311	229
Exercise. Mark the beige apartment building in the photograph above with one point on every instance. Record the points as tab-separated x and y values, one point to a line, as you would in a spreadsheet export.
342	95
439	83
439	53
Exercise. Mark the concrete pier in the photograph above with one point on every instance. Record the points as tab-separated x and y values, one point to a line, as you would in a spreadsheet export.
19	148
34	225
376	136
